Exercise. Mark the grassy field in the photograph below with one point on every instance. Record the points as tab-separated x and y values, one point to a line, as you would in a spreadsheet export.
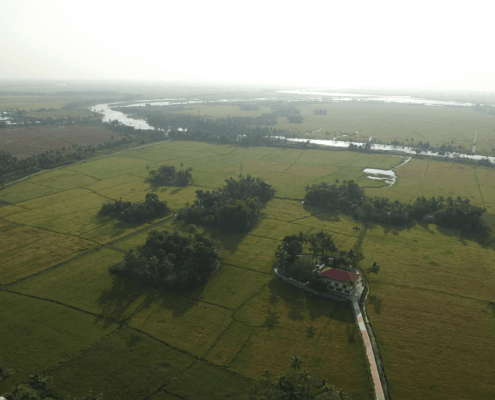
423	177
212	341
384	122
25	142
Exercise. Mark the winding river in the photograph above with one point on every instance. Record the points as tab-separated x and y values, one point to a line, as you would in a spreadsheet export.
110	114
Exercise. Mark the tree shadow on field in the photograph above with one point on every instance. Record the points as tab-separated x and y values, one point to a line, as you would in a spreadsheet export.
321	213
126	298
425	226
396	230
376	302
302	304
116	301
180	302
491	305
271	320
351	332
310	332
115	226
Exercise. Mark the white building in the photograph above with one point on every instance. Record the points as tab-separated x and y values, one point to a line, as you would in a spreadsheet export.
339	281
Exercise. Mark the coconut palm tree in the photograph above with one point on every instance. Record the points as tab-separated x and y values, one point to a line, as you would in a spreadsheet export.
281	381
5	373
295	362
266	373
306	379
375	268
93	396
38	381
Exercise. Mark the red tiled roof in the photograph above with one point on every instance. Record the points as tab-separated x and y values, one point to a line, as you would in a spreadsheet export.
339	275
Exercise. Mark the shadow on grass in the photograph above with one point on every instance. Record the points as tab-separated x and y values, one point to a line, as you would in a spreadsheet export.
180	301
491	305
395	229
351	332
116	227
376	302
310	332
301	303
271	320
321	213
127	298
123	295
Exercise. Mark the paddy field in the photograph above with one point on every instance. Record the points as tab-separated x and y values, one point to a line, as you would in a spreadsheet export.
431	305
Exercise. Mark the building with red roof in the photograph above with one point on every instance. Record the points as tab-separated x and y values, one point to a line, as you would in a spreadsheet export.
340	281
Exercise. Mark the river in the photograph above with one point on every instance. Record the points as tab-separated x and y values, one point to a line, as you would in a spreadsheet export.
110	115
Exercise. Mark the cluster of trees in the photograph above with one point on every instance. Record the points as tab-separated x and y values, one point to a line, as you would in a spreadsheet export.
320	111
484	108
170	260
323	250
349	198
167	175
127	211
46	160
36	388
234	208
295	383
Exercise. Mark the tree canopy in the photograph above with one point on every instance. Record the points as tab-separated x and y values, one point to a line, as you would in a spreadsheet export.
234	208
170	260
348	198
167	175
127	211
295	383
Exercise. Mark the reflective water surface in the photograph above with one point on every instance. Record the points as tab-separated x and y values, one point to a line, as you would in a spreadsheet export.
110	114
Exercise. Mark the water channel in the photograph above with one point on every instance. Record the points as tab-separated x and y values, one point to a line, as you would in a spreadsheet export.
386	175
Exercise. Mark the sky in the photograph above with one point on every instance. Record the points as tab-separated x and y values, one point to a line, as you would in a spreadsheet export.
396	44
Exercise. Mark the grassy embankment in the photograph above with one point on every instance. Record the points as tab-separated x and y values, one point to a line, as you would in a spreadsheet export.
243	320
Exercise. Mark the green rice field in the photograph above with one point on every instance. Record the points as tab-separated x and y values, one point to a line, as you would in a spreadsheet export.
431	305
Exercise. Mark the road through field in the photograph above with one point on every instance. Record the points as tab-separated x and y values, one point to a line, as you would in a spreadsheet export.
377	384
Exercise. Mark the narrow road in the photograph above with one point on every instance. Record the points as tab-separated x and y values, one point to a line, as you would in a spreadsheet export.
376	369
375	375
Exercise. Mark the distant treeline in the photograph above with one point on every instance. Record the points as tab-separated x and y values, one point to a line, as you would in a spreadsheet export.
77	104
348	198
66	155
251	131
234	208
127	211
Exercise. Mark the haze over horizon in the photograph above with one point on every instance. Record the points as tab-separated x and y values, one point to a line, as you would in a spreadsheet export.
388	44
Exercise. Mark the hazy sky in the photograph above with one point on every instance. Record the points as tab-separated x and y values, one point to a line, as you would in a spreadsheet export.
414	44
